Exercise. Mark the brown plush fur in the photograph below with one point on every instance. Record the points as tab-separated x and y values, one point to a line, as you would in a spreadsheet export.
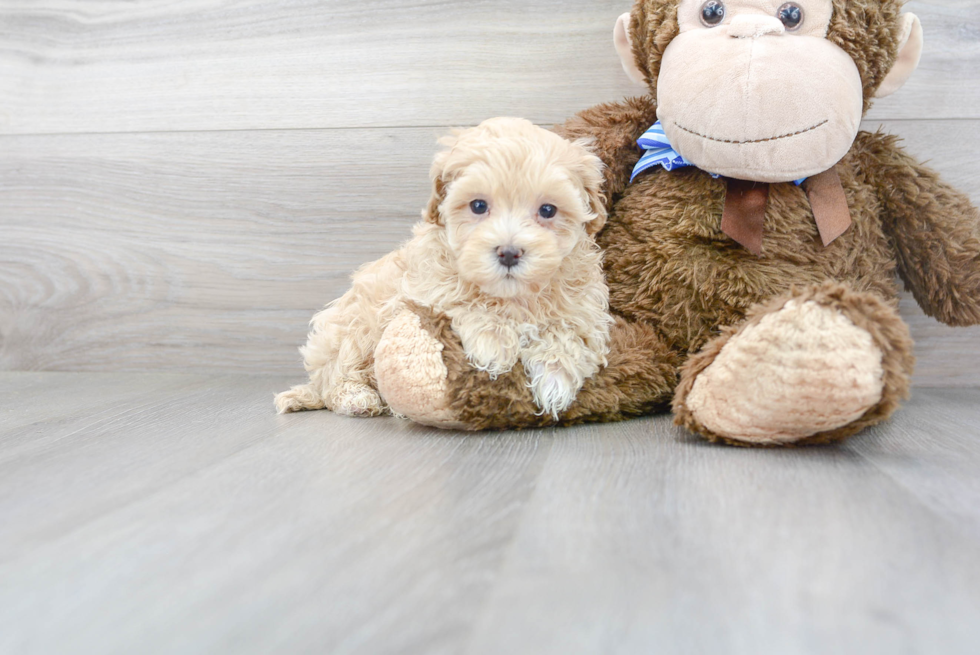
677	282
934	229
615	128
669	264
640	379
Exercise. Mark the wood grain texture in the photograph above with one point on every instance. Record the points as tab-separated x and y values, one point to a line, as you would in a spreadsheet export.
200	250
211	251
666	540
198	521
218	65
942	479
189	518
91	66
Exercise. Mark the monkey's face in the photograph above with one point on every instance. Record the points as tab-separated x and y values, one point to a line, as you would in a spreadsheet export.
752	89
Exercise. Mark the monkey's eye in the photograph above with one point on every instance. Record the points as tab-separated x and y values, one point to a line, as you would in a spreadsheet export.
479	206
712	12
791	14
547	211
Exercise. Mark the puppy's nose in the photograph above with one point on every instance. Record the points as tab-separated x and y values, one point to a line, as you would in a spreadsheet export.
509	256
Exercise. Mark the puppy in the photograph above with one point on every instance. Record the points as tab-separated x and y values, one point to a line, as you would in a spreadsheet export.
505	250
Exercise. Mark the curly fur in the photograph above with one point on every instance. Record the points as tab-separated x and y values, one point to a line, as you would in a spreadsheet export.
548	312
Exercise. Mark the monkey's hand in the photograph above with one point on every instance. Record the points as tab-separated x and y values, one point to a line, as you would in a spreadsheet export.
423	374
936	233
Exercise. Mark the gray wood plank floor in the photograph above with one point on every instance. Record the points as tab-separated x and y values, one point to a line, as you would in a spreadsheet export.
179	514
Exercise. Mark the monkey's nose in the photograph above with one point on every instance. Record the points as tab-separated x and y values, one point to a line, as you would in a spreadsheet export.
509	256
751	26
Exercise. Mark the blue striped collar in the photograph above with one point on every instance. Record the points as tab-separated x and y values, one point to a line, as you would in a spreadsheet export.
660	153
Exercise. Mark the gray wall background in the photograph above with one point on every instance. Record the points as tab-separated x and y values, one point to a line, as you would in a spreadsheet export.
183	183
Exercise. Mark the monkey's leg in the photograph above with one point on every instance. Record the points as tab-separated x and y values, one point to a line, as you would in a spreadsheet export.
814	366
423	374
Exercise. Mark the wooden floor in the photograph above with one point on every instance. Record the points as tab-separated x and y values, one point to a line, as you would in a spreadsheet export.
170	513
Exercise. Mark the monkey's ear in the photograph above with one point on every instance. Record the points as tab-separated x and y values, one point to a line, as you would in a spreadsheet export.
909	52
624	46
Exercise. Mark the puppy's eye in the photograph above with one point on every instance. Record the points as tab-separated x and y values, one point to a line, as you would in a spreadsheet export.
547	211
712	13
479	206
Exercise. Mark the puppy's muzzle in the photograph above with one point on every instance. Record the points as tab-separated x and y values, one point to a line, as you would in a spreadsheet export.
509	256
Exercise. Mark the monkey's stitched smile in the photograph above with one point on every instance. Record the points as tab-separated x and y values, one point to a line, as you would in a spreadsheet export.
771	138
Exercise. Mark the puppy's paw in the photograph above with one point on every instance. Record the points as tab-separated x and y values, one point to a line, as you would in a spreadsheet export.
494	349
554	388
298	399
355	399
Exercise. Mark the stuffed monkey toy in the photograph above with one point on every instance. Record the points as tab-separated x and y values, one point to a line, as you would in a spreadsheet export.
753	237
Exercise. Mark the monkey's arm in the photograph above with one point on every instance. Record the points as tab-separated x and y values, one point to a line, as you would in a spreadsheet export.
424	374
614	127
936	231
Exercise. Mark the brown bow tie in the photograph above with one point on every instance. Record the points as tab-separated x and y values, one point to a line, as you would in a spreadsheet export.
745	209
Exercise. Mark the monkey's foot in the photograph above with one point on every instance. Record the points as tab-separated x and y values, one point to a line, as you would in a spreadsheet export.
412	376
814	366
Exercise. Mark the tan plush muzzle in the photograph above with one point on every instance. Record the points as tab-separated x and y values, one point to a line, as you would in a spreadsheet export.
766	105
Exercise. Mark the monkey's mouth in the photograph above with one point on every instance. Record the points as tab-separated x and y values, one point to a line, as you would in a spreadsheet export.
771	138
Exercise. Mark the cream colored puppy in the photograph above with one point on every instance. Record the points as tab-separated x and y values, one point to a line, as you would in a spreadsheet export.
505	250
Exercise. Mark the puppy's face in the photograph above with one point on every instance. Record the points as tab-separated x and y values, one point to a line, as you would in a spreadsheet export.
515	200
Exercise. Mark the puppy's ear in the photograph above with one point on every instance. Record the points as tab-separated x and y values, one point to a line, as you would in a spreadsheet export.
597	203
590	170
440	180
431	211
